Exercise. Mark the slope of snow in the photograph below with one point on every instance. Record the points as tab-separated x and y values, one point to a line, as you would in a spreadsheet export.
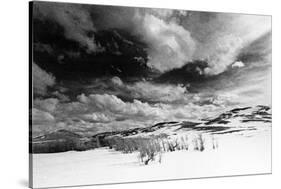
236	155
232	146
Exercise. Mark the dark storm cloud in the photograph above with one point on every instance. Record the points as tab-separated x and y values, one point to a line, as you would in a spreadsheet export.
103	68
173	37
74	19
68	44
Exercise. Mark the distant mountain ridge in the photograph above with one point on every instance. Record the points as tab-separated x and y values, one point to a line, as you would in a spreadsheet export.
235	120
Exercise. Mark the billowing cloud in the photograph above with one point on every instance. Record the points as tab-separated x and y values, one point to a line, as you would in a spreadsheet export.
161	13
41	116
115	105
223	53
174	37
238	64
117	81
170	44
74	19
104	112
41	80
220	37
48	105
98	117
42	122
60	96
171	39
152	92
158	92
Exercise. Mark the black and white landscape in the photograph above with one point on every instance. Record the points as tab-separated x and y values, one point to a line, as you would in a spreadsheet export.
125	94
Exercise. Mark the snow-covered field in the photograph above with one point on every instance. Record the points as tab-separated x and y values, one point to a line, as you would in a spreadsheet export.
237	154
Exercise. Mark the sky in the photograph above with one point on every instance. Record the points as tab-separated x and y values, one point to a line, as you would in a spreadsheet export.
103	68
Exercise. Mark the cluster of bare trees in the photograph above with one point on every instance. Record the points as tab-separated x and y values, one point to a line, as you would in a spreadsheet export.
151	148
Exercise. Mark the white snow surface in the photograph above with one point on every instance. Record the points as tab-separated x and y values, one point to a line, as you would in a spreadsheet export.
242	153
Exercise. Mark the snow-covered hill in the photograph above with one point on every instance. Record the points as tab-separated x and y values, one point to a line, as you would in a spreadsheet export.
237	142
242	121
